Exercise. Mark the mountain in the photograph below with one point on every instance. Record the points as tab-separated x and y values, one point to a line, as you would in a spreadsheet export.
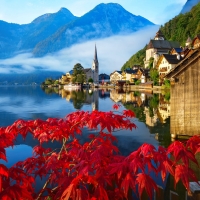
15	38
28	78
103	21
188	5
176	29
54	31
44	26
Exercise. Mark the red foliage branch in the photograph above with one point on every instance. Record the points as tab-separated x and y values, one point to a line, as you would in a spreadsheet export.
93	170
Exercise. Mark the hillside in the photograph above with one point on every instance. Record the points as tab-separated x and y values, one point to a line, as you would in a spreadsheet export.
136	59
177	29
183	25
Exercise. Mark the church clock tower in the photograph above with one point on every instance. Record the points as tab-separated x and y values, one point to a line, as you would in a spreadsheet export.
95	67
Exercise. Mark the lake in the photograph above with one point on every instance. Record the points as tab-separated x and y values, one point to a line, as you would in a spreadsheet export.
26	102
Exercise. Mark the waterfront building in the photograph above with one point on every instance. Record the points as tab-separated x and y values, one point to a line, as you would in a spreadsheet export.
185	95
158	46
116	76
166	63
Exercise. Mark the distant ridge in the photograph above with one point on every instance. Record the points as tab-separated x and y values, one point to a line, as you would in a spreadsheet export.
53	31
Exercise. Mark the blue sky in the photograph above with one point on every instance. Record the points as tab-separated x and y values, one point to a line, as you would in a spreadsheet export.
110	56
24	11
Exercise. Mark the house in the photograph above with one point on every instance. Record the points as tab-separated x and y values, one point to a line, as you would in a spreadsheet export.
104	78
158	46
166	63
132	75
116	76
66	79
185	95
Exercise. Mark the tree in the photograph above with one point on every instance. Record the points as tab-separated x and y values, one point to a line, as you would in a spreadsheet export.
90	80
151	60
78	75
154	75
95	169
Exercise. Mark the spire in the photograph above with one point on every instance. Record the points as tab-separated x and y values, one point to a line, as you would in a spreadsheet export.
95	54
95	64
159	35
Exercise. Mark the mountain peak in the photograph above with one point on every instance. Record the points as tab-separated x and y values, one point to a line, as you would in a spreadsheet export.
64	10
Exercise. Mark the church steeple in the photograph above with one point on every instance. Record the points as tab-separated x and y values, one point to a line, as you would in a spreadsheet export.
95	64
95	54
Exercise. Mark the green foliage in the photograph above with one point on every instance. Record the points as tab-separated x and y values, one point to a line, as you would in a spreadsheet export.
48	81
167	96
151	60
78	75
177	29
78	98
183	25
136	59
90	80
56	82
154	75
166	84
137	82
139	111
154	101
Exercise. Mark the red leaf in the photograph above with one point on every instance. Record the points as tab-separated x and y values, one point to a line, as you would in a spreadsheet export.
145	182
3	154
184	174
3	170
116	106
127	183
128	113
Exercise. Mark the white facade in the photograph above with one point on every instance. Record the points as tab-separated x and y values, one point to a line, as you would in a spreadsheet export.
115	76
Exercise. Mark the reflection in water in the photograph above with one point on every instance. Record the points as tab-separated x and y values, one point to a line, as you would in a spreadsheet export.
81	97
152	112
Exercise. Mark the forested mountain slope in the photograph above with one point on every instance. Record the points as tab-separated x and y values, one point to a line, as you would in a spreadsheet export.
176	29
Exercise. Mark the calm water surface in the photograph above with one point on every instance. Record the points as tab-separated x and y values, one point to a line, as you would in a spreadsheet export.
152	114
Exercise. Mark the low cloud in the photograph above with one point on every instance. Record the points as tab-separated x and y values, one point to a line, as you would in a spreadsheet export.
113	52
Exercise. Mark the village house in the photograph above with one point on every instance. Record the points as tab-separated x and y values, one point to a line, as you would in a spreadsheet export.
116	76
165	63
157	47
129	75
66	79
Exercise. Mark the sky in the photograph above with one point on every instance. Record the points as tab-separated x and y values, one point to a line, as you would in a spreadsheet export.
113	52
25	11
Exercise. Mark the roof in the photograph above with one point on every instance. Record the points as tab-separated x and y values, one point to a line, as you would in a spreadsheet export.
131	71
189	40
163	44
183	64
171	59
119	72
71	72
159	34
178	50
87	69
